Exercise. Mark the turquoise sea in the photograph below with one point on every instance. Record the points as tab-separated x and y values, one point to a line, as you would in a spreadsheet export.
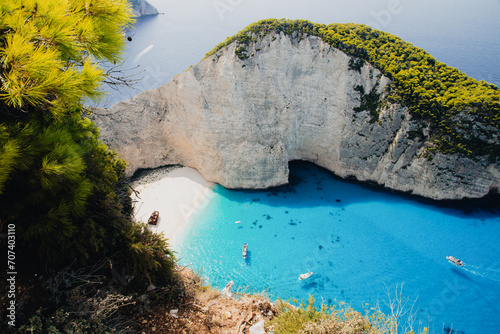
360	242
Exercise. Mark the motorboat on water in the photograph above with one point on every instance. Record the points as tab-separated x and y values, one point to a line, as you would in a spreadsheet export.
305	275
455	261
245	247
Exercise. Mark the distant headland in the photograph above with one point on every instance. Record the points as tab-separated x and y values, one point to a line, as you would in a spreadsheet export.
142	8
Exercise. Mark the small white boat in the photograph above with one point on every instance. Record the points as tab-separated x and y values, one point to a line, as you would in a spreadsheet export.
245	247
237	222
304	276
454	261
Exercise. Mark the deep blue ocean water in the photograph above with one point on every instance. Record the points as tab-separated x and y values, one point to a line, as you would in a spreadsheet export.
359	242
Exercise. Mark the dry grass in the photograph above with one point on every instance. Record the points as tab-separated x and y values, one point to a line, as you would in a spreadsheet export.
206	310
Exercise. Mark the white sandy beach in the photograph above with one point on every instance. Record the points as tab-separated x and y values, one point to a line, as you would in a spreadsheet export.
176	194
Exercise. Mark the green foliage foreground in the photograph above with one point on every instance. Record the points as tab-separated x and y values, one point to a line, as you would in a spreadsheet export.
463	114
60	186
49	49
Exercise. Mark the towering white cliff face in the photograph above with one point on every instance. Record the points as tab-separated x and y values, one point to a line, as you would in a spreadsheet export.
239	123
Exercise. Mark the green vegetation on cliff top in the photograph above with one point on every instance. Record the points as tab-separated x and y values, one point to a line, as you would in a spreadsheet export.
463	114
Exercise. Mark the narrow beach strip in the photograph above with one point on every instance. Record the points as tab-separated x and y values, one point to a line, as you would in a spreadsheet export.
176	194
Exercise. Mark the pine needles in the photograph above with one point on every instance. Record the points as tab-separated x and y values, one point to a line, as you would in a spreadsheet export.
49	50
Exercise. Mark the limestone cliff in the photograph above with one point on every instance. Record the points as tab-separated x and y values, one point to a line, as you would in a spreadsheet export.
142	8
240	121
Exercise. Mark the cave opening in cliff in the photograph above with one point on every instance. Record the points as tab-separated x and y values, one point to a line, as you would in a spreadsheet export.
294	179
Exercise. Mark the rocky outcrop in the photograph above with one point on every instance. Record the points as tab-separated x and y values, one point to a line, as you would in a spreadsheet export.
142	8
239	123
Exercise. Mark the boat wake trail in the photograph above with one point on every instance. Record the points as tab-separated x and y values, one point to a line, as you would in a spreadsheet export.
477	268
491	274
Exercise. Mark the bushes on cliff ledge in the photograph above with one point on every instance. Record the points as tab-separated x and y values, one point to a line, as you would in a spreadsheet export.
340	318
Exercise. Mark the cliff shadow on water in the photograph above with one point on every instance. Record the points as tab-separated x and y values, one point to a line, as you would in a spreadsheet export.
306	177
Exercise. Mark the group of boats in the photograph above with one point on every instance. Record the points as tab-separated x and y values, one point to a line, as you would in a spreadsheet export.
301	276
304	276
153	220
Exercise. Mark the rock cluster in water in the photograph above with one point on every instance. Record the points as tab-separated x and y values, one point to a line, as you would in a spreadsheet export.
240	121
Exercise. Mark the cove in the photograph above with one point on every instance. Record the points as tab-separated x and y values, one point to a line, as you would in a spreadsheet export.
359	241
